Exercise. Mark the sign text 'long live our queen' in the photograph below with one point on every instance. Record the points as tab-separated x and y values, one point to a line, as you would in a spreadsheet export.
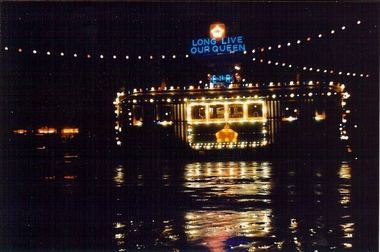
212	45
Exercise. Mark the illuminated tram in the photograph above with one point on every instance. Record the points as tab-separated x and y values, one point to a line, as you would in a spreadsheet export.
228	115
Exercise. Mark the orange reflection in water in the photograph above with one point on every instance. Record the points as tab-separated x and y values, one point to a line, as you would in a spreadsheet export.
215	226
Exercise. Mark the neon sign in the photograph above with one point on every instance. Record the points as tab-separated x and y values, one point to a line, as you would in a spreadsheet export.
217	43
217	31
211	45
221	78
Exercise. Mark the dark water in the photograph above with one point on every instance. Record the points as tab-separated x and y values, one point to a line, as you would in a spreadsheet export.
106	204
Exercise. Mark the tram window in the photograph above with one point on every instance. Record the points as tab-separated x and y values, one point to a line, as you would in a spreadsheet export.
198	112
216	111
235	110
137	115
165	113
255	110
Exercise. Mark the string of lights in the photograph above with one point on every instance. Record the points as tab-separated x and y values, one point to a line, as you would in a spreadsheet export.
256	51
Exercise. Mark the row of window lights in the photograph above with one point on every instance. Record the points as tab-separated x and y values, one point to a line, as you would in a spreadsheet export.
249	85
169	100
238	97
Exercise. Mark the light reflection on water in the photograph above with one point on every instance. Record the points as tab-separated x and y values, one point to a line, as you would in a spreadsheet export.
223	206
221	221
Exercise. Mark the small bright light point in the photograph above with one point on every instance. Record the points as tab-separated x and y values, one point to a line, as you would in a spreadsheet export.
75	55
290	66
276	63
361	75
114	56
150	57
48	53
367	75
34	51
139	57
304	68
19	50
325	71
310	69
343	27
320	36
354	74
270	48
298	41
253	59
359	22
163	56
101	56
245	52
127	57
187	56
174	56
6	48
283	64
269	62
340	73
253	51
318	70
308	39
348	73
332	31
289	44
261	60
62	54
88	56
279	46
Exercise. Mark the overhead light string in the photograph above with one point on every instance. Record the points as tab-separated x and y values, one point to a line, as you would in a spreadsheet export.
256	51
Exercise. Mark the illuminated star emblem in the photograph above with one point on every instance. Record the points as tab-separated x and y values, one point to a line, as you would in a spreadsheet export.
217	31
226	135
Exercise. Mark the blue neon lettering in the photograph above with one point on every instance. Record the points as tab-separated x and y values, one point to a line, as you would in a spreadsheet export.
193	50
227	44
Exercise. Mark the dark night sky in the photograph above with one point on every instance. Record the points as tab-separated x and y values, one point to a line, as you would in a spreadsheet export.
39	89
